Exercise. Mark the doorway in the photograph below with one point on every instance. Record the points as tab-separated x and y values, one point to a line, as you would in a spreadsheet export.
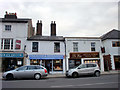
107	62
117	62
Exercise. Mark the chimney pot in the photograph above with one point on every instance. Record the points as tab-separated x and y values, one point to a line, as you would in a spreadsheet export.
40	21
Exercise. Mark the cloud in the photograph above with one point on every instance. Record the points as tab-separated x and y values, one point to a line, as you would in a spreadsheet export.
73	18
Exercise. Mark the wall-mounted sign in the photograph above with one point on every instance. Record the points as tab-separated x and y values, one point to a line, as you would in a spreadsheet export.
13	55
18	44
46	57
84	55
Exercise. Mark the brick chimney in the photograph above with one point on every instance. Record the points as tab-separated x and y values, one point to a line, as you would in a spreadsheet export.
10	15
39	28
53	28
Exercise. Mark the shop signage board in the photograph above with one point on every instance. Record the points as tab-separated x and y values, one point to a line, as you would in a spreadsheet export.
84	55
13	55
46	56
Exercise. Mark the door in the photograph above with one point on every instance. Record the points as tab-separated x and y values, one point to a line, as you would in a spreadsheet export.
82	69
117	62
20	72
90	68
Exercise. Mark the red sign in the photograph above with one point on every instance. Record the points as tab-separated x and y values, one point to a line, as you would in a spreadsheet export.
18	44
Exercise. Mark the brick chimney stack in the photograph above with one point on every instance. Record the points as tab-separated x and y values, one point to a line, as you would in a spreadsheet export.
10	15
53	28
39	28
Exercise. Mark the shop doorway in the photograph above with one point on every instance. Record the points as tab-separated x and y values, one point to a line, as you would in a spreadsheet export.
117	62
48	65
107	62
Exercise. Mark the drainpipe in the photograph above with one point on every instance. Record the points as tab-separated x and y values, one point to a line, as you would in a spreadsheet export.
65	57
101	56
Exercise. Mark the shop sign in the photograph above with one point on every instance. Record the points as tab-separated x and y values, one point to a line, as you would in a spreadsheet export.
46	56
18	44
84	55
13	55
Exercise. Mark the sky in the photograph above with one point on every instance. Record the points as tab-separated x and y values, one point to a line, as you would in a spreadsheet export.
74	18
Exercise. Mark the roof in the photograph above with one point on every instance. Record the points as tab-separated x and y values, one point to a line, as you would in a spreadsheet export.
113	34
19	20
46	38
84	37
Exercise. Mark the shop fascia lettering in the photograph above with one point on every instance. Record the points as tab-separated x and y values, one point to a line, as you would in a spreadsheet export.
84	55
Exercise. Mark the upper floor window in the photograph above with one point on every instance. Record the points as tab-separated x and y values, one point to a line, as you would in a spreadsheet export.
35	47
56	47
92	46
7	44
75	46
7	27
116	43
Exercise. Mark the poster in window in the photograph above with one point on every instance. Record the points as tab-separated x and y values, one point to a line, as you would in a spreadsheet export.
18	44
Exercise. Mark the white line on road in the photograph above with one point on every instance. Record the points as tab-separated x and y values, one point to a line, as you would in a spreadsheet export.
83	84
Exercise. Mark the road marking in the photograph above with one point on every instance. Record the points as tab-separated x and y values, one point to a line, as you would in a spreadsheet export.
83	84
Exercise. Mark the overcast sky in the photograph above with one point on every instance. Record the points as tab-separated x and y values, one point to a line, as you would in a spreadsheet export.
75	18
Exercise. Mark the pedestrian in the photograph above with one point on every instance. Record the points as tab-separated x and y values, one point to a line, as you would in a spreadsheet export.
48	67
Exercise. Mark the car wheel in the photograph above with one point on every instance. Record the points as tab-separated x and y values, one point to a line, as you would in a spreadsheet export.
97	73
37	76
9	77
75	75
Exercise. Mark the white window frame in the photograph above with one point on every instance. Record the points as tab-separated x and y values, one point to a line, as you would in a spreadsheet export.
3	44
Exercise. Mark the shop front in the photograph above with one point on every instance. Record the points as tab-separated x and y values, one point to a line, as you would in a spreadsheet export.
52	62
11	61
83	57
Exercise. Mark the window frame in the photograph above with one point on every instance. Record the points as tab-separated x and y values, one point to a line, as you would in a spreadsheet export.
75	46
56	48
5	45
33	48
8	27
93	46
115	43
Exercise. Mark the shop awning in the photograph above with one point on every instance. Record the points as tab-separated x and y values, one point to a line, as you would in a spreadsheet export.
46	56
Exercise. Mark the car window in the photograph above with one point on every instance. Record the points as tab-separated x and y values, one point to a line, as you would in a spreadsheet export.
22	68
31	67
91	65
82	66
38	67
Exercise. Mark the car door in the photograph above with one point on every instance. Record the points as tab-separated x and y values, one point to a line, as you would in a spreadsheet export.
90	68
30	72
20	72
82	69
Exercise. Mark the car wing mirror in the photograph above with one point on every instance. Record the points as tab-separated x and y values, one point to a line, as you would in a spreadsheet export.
79	68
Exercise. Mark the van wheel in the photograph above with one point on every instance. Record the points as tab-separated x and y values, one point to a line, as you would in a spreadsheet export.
75	75
9	77
97	74
37	76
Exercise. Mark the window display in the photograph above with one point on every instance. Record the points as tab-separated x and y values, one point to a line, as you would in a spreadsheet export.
58	65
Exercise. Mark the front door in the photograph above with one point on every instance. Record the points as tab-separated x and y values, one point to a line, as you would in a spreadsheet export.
117	62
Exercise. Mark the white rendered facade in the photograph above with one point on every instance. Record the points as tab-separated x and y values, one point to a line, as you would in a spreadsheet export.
84	46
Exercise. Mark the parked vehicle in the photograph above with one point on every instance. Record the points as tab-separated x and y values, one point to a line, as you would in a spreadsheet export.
84	69
29	71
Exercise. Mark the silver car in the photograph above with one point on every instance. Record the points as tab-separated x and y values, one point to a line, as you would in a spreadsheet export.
29	71
84	69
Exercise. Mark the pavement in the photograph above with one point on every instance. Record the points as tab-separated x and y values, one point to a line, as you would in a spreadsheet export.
59	75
